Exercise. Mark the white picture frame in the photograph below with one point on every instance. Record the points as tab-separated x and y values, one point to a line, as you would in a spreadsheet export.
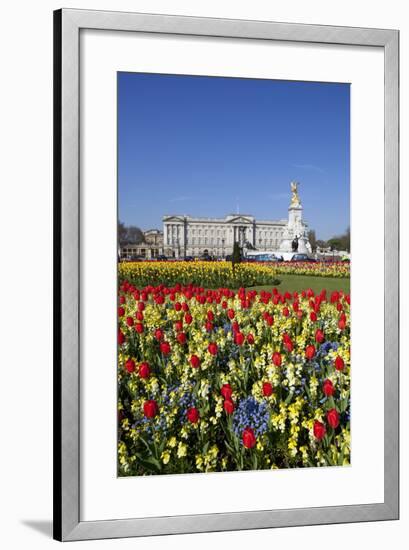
67	488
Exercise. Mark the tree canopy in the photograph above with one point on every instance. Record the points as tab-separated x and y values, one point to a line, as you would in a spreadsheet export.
130	234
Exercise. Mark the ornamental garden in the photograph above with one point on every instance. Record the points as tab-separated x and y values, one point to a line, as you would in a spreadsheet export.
229	370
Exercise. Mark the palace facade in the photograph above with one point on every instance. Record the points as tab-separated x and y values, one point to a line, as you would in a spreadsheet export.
189	236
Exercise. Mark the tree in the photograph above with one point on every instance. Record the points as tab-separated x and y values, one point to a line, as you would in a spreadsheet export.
236	257
121	233
335	243
313	239
129	234
135	235
348	239
341	242
321	244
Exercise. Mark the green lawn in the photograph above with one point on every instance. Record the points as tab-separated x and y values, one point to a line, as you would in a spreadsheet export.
302	282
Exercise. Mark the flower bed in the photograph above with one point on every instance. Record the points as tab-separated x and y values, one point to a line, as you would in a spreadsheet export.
200	273
221	274
216	380
317	269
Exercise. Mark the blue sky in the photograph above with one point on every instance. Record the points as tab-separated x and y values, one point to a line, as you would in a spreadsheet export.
205	146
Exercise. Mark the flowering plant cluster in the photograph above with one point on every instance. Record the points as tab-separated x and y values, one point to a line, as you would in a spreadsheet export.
316	269
221	274
221	380
208	274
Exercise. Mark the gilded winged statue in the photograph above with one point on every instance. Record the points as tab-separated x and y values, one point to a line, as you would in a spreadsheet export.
295	199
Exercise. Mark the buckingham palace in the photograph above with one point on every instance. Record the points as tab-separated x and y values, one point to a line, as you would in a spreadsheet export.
190	236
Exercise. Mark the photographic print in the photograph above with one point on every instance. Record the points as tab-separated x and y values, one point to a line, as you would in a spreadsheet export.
233	274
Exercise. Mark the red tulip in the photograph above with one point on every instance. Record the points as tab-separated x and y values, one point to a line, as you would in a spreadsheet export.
212	348
158	334
209	326
339	363
144	370
319	429
267	389
269	320
130	365
181	338
288	344
249	439
333	418
235	327
195	361
250	339
228	406
277	359
309	352
129	321
313	316
239	338
328	387
342	323
150	408
193	415
165	348
334	297
121	312
226	391
319	336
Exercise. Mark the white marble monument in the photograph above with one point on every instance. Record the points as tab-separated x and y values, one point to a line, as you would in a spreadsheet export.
296	231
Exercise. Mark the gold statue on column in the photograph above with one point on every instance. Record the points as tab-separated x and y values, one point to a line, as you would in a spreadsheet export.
295	199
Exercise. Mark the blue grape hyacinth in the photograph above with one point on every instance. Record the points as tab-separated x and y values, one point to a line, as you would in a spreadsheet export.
251	413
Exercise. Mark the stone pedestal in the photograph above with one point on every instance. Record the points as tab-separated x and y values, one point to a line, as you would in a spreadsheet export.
295	227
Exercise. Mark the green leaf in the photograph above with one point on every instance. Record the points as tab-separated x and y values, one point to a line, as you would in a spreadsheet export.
154	461
289	397
148	464
146	445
